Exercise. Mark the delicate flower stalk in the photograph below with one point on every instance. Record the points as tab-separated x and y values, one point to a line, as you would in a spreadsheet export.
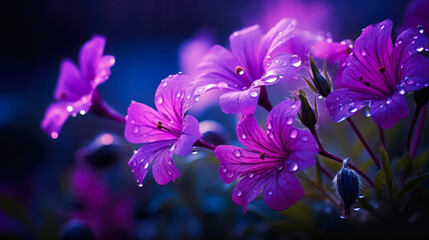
411	128
101	109
419	131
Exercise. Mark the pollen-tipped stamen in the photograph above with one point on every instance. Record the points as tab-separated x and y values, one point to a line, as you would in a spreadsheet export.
368	84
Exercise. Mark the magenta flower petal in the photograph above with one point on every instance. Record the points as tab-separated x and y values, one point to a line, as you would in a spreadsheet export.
282	191
141	125
141	160
244	101
190	134
250	64
164	170
333	52
378	73
387	112
271	159
75	87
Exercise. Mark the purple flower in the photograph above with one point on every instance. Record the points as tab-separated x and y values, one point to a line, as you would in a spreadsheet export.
271	159
166	131
240	72
76	87
378	74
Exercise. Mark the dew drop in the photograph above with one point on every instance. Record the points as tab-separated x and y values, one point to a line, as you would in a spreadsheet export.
410	81
295	61
402	91
159	101
271	135
270	192
140	184
382	27
415	36
253	93
54	135
146	165
243	136
82	112
414	41
352	109
222	85
361	196
194	150
388	101
289	120
304	138
420	28
180	73
271	76
293	133
196	98
164	84
363	52
136	129
238	192
250	175
223	169
269	126
69	108
237	153
293	105
292	166
366	112
169	172
178	94
419	49
172	147
229	174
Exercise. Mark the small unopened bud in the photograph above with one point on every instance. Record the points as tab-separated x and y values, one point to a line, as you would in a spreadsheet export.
321	85
306	114
347	185
421	97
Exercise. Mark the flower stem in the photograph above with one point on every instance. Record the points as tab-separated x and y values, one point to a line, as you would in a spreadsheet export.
411	129
203	144
263	99
325	153
100	108
419	130
382	139
365	144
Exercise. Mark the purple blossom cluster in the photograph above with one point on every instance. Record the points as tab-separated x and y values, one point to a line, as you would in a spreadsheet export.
372	73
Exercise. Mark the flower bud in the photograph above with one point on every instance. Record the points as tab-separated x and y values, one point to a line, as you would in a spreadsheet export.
320	84
347	185
421	97
306	114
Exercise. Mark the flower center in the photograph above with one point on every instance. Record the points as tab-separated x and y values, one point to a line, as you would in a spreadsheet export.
368	84
239	70
262	156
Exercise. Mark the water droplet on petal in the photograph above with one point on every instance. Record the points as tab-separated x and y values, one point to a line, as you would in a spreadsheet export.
388	101
164	84
223	169
271	76
82	112
366	112
54	135
382	27
250	175
230	174
270	192
196	98
194	150
69	108
243	136
295	61
293	133
146	165
159	101
136	129
304	138
401	91
363	52
140	184
178	94
415	36
293	105
172	147
420	48
420	28
409	81
237	153
292	166
353	109
222	85
269	126
414	41
169	172
289	120
253	93
238	192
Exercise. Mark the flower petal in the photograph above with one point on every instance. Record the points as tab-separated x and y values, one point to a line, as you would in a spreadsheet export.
141	160
387	112
244	46
71	84
280	122
90	55
244	102
190	134
141	125
276	37
332	52
217	70
282	191
415	74
283	66
235	162
164	170
174	96
251	135
343	103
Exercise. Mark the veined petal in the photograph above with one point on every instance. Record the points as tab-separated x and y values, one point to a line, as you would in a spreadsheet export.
217	70
164	170
303	159
71	84
251	135
141	160
387	112
415	74
343	103
282	191
190	134
280	123
276	37
244	102
141	125
244	46
282	66
235	162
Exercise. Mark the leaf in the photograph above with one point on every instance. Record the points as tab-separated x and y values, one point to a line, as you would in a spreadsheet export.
406	165
380	185
309	84
385	166
413	184
420	161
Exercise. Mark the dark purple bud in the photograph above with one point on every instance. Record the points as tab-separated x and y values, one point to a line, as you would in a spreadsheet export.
347	185
321	85
306	114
